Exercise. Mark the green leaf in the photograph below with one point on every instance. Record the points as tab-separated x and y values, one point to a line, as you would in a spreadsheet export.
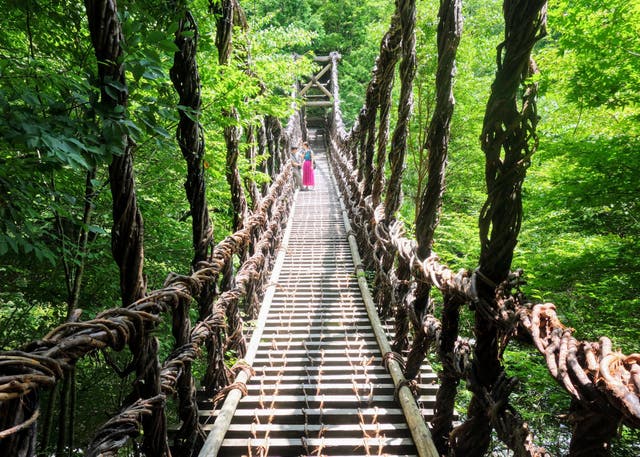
97	229
168	45
112	92
155	36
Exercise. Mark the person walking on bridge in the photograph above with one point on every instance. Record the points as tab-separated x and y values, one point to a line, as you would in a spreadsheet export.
296	163
308	180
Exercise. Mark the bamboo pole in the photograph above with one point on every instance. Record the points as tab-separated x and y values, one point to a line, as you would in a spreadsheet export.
419	431
215	437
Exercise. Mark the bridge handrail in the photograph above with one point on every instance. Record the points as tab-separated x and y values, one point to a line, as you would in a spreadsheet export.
255	267
604	383
42	363
595	365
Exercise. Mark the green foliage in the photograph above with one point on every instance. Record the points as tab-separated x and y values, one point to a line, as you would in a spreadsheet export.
581	232
281	13
46	128
591	183
601	41
19	316
579	240
578	246
352	28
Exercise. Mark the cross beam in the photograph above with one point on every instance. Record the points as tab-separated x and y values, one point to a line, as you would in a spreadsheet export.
315	91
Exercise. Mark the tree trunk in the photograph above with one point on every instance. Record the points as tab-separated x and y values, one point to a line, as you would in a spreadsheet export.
21	413
62	416
83	243
186	80
437	145
592	431
442	422
48	422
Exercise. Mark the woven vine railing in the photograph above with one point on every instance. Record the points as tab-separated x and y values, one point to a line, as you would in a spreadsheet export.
212	286
43	363
604	385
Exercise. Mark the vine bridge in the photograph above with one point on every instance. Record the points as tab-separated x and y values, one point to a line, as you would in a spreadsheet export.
315	316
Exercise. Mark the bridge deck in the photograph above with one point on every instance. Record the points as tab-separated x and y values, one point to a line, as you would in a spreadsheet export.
320	386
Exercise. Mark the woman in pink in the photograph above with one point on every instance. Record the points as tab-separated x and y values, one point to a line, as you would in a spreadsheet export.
307	167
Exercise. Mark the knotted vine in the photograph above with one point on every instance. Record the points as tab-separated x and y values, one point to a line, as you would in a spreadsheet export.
604	385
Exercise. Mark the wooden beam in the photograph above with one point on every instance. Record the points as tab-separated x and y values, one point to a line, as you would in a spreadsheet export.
312	103
326	92
314	79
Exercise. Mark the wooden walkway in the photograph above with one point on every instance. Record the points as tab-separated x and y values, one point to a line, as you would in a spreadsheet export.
320	385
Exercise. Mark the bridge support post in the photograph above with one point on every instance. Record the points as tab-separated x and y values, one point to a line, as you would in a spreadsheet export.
592	432
19	416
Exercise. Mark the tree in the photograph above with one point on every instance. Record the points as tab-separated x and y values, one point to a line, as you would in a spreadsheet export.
601	41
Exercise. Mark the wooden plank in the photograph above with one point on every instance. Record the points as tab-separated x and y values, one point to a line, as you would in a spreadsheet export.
322	370
335	377
330	398
356	360
316	442
323	329
302	293
367	412
321	104
246	417
309	336
315	301
350	399
301	314
315	359
316	270
329	352
319	427
321	312
275	344
320	315
365	455
323	386
349	281
319	309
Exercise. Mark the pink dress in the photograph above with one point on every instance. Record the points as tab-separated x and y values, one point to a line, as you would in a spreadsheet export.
307	170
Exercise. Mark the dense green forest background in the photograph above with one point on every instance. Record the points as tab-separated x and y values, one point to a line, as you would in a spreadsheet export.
579	246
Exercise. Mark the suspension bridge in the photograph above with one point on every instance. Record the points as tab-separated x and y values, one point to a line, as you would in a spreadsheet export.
319	385
315	318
